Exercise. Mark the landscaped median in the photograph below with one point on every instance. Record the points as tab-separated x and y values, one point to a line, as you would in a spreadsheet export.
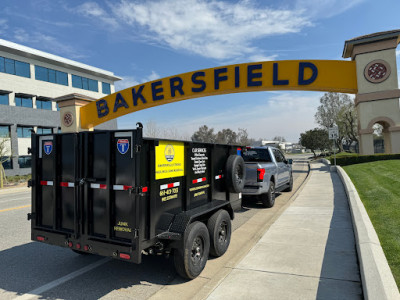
375	196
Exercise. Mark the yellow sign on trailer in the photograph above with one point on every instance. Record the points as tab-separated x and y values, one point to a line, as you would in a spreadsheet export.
310	75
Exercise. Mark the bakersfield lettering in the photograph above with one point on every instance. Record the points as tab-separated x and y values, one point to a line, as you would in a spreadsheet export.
255	77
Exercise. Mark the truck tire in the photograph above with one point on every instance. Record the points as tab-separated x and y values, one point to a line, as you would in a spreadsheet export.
290	187
191	259
220	230
235	173
268	199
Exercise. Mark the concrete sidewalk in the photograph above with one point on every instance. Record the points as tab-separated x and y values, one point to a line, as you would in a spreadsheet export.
308	253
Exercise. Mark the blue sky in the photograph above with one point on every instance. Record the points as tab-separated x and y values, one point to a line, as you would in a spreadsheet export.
145	40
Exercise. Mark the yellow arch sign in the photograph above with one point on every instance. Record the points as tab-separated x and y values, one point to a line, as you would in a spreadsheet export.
311	75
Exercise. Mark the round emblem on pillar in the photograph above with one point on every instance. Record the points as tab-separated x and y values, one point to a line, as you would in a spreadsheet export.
68	119
377	71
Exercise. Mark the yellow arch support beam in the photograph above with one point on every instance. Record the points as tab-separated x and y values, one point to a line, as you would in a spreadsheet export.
307	75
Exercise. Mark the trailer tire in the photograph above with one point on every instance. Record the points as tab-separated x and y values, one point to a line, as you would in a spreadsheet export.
268	199
192	257
235	173
220	229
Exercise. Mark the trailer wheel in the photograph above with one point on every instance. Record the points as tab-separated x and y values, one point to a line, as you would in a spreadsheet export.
268	199
191	259
220	230
235	173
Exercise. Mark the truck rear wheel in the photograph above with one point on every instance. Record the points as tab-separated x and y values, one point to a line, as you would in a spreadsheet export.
220	229
191	259
235	173
268	199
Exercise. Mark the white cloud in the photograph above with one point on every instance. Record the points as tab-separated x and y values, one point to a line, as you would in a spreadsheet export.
129	81
284	113
93	10
321	9
46	42
397	52
3	26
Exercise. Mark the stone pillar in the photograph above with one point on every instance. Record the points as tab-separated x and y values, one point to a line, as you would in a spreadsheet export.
70	111
378	95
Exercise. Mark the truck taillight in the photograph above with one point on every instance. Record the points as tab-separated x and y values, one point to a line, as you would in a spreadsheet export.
260	175
124	256
40	238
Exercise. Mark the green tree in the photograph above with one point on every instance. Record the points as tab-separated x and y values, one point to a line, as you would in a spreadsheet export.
243	137
5	156
226	136
315	139
204	134
338	109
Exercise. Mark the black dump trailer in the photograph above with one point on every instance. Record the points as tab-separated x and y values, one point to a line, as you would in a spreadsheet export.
117	194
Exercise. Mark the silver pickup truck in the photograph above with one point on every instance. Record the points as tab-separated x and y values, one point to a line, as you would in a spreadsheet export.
267	172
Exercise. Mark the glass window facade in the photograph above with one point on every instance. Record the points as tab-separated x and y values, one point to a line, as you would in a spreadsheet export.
50	75
4	131
42	104
7	165
14	67
24	132
23	101
4	100
44	130
24	161
106	88
85	83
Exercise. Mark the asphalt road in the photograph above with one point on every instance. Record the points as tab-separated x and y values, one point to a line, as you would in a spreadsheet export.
32	270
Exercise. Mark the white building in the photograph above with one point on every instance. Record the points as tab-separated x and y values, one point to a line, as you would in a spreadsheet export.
29	80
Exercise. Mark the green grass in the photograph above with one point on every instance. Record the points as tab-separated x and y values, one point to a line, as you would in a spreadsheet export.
378	184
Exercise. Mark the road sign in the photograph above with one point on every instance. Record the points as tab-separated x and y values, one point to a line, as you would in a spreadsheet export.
333	133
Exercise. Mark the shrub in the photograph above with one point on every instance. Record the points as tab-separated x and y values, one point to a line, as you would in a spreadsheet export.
358	159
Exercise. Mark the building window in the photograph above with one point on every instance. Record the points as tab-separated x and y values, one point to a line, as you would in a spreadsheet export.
24	132
23	101
57	107
106	88
43	104
85	83
4	99
4	131
44	130
24	161
50	75
7	164
14	67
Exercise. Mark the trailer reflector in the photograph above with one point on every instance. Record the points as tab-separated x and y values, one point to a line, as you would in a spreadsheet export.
98	186
169	185
44	182
86	248
70	244
119	187
67	184
40	238
219	176
145	189
78	246
199	180
124	256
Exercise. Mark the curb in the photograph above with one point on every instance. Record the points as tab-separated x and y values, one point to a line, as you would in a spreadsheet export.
376	277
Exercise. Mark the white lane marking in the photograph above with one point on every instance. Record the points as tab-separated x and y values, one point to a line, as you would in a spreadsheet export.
44	288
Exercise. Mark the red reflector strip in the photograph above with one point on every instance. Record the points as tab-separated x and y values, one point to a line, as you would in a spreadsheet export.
219	176
98	186
46	183
67	184
145	189
169	185
124	256
199	180
119	187
40	238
